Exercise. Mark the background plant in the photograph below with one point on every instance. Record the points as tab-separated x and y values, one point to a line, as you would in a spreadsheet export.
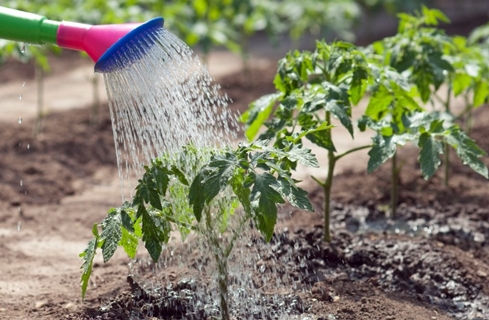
255	176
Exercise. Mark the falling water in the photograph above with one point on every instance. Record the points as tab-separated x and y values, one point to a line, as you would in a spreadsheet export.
159	104
163	102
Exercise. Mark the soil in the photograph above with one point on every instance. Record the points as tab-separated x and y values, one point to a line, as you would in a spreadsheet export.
431	261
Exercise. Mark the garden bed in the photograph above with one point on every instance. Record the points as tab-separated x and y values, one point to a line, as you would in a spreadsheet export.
430	262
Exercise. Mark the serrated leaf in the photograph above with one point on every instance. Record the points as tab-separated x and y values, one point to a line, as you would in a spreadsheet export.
467	150
180	175
384	148
111	234
129	242
126	221
342	112
87	258
243	193
302	155
429	156
154	199
258	112
379	103
161	181
155	233
211	179
358	85
461	82
264	200
296	196
481	93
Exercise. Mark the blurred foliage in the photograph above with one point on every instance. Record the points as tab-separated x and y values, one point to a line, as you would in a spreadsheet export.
206	23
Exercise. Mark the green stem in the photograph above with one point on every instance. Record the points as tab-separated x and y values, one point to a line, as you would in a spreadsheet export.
446	146
446	179
222	267
327	185
338	157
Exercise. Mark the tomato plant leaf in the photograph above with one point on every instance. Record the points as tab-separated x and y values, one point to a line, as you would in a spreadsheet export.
379	103
211	179
180	176
481	93
264	200
296	196
111	233
129	242
358	85
87	258
258	113
467	150
156	231
429	156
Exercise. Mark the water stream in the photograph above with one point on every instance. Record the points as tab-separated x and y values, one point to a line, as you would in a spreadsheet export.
159	104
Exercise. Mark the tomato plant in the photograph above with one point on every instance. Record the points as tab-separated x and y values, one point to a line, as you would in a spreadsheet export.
199	191
431	59
398	73
313	87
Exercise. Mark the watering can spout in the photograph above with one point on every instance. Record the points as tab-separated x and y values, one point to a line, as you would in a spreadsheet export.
100	42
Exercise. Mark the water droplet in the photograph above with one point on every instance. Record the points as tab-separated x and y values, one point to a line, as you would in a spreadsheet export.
20	96
22	49
20	120
28	146
21	183
19	225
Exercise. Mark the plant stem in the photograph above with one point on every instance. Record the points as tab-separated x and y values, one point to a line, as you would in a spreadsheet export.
446	152
446	146
395	186
351	151
327	185
222	267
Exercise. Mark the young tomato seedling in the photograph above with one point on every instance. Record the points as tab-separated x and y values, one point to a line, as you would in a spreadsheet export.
206	188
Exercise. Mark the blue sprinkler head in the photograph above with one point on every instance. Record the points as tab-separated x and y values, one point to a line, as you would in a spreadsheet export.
133	46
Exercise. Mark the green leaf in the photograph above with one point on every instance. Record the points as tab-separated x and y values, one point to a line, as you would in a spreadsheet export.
126	221
258	112
155	232
129	242
111	234
384	148
264	200
358	85
467	150
302	155
87	257
481	93
460	83
180	176
296	196
212	179
342	112
243	193
429	156
161	181
379	103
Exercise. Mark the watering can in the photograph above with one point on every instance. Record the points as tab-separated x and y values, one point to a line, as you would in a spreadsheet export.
103	43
